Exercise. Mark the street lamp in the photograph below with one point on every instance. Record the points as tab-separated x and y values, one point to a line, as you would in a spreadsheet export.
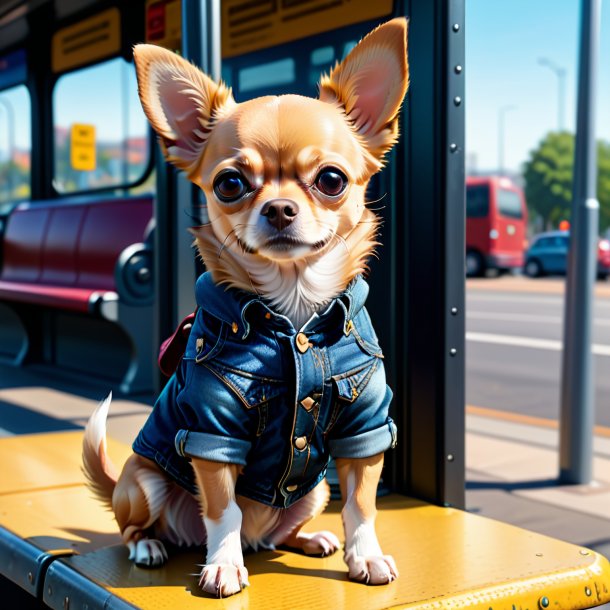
560	73
501	113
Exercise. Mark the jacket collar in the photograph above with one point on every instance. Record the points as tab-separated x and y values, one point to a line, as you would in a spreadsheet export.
237	307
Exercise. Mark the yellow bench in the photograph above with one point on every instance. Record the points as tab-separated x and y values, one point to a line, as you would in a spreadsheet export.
60	545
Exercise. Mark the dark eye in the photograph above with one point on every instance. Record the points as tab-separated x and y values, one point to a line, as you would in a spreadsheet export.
331	181
230	186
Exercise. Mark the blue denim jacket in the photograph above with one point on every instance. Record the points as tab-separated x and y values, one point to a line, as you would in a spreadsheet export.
253	390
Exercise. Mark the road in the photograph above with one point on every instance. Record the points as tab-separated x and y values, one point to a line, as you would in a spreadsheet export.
514	340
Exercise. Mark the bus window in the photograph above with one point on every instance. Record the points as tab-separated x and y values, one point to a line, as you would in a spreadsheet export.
272	74
509	204
15	144
477	201
101	134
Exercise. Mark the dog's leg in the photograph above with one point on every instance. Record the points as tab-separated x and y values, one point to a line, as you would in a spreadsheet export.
224	572
288	530
137	501
358	479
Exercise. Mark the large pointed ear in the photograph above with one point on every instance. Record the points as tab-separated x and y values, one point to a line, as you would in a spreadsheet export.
180	101
370	84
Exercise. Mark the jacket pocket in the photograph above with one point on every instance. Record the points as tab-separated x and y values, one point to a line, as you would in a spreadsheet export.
207	338
348	386
365	336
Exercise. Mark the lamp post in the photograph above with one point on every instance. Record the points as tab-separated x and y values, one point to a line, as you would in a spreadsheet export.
501	114
560	73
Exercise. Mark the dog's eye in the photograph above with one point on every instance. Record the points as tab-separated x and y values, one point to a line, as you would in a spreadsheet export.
230	186
331	181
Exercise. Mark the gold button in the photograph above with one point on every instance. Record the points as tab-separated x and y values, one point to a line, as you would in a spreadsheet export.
268	316
291	488
349	327
234	327
300	443
308	403
302	342
199	344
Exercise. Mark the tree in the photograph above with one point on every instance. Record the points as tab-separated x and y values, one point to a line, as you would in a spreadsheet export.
548	178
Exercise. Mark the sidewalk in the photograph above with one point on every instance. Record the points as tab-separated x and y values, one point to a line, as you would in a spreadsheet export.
511	472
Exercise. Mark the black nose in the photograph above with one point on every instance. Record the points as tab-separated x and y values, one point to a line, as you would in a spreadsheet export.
280	212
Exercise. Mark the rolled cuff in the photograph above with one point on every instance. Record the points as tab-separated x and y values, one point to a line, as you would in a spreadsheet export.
365	444
211	447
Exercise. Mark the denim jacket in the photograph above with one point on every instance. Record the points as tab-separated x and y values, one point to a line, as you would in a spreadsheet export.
253	390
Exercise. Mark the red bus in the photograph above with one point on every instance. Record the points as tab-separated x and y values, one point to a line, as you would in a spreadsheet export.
496	225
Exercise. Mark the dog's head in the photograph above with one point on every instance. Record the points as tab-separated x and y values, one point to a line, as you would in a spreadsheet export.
284	175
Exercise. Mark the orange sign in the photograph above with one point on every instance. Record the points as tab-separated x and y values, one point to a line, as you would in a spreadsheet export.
249	26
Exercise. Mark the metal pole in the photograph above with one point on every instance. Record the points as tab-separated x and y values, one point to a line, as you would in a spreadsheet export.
501	114
577	391
560	73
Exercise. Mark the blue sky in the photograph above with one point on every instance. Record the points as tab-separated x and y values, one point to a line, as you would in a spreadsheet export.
504	41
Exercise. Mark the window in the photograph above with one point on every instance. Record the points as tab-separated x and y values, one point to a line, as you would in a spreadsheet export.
101	133
509	204
477	201
15	144
271	74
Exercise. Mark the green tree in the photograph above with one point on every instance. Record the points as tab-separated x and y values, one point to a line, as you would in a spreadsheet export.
548	175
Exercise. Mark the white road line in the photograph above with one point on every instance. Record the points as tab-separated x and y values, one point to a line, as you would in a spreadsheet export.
548	344
549	299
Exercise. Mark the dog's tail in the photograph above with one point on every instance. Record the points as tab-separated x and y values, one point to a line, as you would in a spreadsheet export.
98	469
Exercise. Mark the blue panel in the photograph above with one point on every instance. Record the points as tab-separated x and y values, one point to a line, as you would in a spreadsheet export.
13	69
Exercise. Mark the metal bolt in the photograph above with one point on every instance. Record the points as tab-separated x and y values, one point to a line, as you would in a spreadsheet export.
587	592
453	147
457	100
543	602
456	27
453	351
30	577
454	311
450	457
458	69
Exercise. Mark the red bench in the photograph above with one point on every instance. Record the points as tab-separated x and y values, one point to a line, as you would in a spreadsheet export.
88	256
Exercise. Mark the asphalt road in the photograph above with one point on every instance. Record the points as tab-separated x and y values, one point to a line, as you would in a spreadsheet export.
514	340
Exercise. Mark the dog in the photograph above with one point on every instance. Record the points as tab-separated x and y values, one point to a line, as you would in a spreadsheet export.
282	369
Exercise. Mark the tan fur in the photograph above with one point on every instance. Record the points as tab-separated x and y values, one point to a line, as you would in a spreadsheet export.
278	147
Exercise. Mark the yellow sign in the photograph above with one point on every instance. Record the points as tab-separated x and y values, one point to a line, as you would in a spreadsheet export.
249	26
164	23
82	147
87	41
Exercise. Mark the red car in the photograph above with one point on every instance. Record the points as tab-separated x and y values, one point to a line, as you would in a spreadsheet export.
496	224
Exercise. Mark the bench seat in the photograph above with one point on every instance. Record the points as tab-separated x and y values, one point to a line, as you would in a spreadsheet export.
54	531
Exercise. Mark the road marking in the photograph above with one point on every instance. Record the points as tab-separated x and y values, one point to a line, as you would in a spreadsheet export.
517	298
519	317
515	341
530	420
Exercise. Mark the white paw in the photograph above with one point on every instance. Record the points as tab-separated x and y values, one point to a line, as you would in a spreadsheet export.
321	543
372	570
147	553
223	579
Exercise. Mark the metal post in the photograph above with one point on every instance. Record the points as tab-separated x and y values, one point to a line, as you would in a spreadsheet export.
501	114
560	73
577	391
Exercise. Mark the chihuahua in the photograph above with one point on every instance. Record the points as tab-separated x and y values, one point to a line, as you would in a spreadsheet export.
282	369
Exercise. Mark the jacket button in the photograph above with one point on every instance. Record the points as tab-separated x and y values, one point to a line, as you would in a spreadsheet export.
199	344
300	443
302	342
291	488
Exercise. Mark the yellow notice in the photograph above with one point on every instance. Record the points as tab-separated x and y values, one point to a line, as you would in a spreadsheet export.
82	147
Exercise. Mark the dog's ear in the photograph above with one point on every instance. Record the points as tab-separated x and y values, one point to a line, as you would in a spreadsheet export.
370	84
180	102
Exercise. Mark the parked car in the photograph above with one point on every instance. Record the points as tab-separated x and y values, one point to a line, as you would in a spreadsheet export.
548	254
496	223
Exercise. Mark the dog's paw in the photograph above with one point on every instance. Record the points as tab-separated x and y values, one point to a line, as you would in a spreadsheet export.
320	543
372	570
223	579
147	553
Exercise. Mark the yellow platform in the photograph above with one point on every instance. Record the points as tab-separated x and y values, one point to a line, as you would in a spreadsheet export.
447	558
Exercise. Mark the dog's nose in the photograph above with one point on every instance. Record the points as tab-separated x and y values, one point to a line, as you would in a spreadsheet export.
280	212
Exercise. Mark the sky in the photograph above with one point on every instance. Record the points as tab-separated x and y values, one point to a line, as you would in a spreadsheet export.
504	42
